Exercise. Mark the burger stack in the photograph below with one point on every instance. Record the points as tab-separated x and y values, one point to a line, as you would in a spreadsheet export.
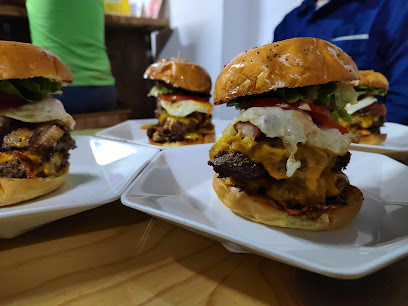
280	161
34	127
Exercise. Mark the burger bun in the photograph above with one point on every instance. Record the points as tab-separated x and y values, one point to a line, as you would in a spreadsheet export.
180	73
373	139
290	63
25	61
14	190
264	210
370	78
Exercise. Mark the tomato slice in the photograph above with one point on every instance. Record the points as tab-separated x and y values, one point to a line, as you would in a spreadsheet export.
319	109
175	98
10	101
319	114
325	122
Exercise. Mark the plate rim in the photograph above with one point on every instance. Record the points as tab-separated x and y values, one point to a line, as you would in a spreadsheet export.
102	134
339	273
114	197
381	149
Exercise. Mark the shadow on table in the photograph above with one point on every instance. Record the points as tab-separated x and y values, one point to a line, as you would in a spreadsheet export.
107	216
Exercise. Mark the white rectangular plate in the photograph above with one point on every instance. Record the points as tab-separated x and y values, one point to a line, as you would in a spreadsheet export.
131	131
395	145
100	170
177	186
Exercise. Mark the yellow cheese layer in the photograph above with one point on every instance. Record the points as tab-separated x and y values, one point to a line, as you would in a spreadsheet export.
364	121
168	120
19	138
313	180
41	168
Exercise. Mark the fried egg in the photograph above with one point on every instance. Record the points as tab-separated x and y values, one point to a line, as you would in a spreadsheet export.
186	107
367	101
292	127
46	110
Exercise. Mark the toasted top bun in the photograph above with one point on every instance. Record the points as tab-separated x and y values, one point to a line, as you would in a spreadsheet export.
24	61
290	63
180	73
371	78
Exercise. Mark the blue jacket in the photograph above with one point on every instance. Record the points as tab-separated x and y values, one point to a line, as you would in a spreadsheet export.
373	32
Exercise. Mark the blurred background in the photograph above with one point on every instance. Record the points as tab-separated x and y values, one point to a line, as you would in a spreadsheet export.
137	33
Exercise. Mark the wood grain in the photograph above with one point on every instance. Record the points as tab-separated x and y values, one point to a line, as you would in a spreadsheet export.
114	255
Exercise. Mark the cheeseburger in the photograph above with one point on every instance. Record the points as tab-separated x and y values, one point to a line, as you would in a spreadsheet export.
368	115
280	161
183	107
34	127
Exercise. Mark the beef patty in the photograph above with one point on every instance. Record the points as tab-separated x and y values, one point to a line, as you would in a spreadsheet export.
237	165
40	139
165	132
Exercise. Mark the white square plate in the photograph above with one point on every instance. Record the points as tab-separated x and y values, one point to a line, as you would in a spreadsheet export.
395	145
131	131
100	170
177	186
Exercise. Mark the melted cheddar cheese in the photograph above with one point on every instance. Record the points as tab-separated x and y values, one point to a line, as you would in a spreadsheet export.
168	120
18	138
33	164
309	185
365	121
186	107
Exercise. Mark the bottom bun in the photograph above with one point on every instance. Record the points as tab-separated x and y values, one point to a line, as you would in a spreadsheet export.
14	190
207	138
263	210
373	139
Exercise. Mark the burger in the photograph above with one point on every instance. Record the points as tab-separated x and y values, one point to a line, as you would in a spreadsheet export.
34	127
280	161
183	107
368	115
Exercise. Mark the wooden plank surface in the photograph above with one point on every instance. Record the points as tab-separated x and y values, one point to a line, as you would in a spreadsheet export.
114	255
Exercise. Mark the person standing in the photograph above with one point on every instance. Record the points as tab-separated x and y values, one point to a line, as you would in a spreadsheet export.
75	31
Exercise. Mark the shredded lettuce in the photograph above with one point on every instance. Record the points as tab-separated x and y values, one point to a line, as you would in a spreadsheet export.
163	89
333	96
33	90
362	90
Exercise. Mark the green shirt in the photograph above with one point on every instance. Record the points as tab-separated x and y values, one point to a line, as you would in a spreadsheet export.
75	31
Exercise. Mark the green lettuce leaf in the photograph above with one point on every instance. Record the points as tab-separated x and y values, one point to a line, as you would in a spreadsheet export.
163	89
160	90
333	95
362	90
33	90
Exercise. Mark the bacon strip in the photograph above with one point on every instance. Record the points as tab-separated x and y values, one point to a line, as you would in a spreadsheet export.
44	139
247	129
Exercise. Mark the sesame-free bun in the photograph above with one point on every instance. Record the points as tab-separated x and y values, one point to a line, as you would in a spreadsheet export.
370	78
180	73
373	139
206	138
290	63
264	210
14	190
25	61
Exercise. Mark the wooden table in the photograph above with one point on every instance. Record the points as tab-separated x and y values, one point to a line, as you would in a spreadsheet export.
114	255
